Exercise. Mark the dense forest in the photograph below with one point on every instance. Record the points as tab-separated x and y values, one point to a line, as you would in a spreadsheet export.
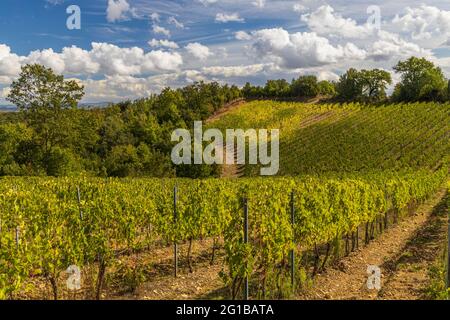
51	135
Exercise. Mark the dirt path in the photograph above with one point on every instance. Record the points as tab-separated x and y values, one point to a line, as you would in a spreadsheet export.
407	274
194	285
237	170
228	170
404	254
315	119
203	281
234	170
231	171
226	109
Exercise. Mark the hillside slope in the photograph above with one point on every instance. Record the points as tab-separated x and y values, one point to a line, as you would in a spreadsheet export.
348	137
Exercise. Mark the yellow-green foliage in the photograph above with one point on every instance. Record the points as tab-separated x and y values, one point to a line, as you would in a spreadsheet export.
349	137
44	228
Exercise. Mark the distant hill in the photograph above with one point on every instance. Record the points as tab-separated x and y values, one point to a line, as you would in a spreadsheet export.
93	105
86	105
8	108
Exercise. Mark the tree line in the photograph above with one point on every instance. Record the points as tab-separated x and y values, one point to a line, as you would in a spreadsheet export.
421	80
51	135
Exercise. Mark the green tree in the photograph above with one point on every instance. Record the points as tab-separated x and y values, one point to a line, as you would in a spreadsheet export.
252	92
327	88
122	161
448	91
12	137
39	87
374	84
305	87
277	88
349	86
62	162
52	136
127	160
421	81
167	107
363	85
42	96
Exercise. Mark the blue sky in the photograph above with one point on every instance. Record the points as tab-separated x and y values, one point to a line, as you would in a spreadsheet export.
39	24
128	49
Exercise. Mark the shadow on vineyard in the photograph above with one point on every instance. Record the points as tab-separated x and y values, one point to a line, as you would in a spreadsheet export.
409	253
423	258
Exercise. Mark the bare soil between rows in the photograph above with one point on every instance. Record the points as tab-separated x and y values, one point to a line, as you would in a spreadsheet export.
404	253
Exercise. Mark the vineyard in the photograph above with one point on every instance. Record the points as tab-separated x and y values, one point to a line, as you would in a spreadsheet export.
349	137
353	171
50	224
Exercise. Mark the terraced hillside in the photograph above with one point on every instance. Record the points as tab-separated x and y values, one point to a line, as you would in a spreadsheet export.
348	137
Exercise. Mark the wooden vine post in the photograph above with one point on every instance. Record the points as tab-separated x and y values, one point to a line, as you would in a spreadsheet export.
293	240
246	242
79	202
175	245
448	257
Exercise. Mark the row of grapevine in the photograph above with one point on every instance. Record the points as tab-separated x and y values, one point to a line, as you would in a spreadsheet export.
325	210
46	227
349	137
447	251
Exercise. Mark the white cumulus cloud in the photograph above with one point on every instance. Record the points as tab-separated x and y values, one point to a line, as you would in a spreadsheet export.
242	35
102	59
259	3
163	43
131	61
198	50
117	10
392	46
160	30
327	75
175	22
325	21
48	58
234	71
207	2
9	64
301	50
78	61
228	17
424	23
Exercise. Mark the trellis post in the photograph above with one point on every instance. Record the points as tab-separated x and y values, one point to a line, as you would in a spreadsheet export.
293	239
246	242
175	245
79	202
